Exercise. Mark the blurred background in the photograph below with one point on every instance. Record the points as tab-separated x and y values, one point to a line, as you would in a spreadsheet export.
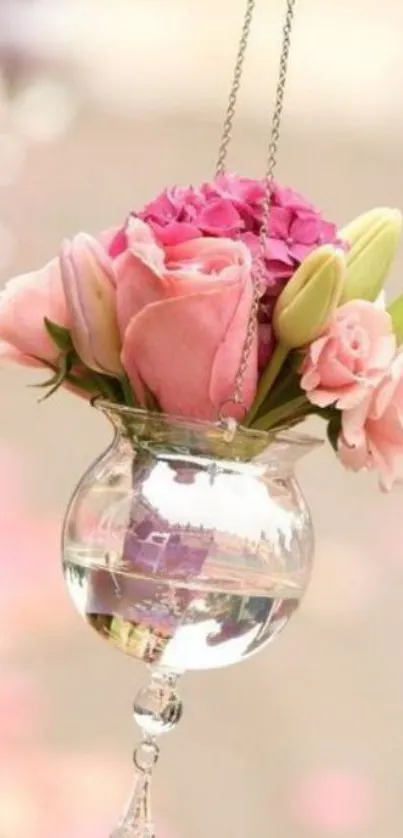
102	104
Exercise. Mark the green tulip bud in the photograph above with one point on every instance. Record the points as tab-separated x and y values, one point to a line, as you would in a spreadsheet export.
395	310
309	299
373	239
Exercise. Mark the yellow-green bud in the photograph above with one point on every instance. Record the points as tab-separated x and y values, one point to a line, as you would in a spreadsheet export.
395	309
309	299
373	238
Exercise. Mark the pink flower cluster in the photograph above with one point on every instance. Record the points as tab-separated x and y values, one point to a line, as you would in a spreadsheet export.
355	366
179	274
233	207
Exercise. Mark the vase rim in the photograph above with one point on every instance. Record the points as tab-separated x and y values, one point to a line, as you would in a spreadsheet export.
282	434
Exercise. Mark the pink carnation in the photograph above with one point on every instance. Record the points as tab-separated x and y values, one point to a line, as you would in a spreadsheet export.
372	432
350	357
233	207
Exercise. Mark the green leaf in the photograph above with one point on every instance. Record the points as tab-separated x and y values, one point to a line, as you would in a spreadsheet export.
59	335
66	362
334	429
395	310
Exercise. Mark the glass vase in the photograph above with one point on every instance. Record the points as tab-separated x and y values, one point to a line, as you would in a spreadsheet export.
188	546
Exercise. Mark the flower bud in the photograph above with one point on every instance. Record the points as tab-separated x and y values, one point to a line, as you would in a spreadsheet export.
373	240
309	299
395	309
88	283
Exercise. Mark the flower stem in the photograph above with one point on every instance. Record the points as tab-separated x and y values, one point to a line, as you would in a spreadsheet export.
281	414
268	378
128	393
104	386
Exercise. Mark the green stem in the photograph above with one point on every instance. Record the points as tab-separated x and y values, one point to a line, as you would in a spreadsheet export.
281	414
285	389
266	382
80	384
128	393
105	387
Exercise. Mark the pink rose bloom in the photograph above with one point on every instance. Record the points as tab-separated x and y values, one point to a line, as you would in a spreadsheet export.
350	357
372	432
232	207
24	303
183	314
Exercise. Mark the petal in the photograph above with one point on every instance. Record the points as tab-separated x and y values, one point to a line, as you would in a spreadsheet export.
386	458
382	353
285	197
277	273
173	347
220	218
354	457
175	232
353	422
24	303
107	237
279	223
205	249
10	355
317	347
384	395
114	241
299	252
278	250
354	395
327	232
230	353
322	397
89	284
305	229
310	379
138	284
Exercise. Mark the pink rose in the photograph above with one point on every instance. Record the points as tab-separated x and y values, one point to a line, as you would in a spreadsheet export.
372	432
350	357
183	315
24	303
233	207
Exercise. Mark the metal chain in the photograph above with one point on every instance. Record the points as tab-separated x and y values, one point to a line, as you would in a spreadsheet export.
235	88
260	266
276	121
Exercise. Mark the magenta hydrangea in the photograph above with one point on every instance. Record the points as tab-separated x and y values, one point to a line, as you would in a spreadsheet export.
232	206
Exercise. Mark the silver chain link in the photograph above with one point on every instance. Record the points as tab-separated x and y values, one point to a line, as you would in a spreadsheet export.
277	117
226	136
260	267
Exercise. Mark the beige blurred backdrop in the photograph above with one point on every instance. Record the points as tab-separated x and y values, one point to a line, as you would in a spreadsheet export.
103	104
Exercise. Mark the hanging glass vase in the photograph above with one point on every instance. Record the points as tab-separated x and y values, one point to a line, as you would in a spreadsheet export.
187	546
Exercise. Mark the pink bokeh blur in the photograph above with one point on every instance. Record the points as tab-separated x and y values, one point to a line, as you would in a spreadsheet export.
39	781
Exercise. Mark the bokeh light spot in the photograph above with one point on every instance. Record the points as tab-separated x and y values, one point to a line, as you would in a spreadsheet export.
333	800
44	109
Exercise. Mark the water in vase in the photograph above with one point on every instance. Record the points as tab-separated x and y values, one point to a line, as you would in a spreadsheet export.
179	624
